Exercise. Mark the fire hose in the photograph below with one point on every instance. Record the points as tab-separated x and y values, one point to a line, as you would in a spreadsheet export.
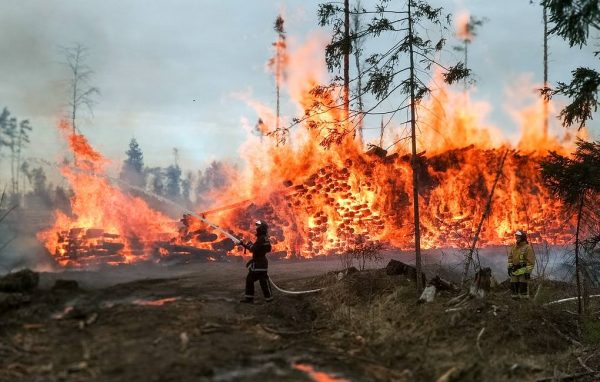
296	292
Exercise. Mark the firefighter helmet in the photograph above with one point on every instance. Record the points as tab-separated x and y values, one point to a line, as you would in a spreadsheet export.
521	235
261	227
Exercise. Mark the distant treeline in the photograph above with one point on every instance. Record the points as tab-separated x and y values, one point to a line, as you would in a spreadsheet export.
189	189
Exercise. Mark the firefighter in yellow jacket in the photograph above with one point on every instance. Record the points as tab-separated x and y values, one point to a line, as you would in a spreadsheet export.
521	260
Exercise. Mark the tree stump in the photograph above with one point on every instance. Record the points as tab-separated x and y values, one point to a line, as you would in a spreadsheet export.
482	283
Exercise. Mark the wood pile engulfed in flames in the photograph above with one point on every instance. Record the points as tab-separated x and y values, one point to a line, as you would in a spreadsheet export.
363	200
90	246
367	200
324	203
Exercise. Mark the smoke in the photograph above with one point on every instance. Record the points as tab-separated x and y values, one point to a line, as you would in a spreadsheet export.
19	247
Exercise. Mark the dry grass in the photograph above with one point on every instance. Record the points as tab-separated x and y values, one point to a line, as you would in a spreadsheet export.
375	316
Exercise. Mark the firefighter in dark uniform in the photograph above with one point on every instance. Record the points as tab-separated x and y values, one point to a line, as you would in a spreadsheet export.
258	265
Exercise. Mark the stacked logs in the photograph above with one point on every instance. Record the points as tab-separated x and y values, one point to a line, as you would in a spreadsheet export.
328	211
81	247
336	211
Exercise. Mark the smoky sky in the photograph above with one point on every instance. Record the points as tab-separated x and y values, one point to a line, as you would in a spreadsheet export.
168	70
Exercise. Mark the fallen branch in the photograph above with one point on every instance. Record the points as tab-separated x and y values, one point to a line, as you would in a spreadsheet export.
458	298
584	365
568	299
448	375
453	309
284	332
477	343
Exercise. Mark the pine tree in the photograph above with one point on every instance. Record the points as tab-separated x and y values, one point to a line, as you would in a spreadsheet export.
157	182
173	187
4	118
389	72
466	35
576	181
572	21
212	178
546	85
38	180
132	171
11	133
278	64
22	141
186	187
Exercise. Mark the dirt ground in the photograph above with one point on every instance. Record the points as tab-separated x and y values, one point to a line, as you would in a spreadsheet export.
185	323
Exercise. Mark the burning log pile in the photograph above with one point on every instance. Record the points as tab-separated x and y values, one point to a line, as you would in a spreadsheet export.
88	247
367	199
329	205
363	199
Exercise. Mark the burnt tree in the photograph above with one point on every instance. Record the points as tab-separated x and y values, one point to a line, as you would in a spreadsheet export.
81	92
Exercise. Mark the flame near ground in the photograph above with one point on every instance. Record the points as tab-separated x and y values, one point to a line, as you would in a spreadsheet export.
324	201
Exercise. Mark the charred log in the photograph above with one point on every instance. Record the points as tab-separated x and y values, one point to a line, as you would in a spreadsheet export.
395	267
224	245
441	284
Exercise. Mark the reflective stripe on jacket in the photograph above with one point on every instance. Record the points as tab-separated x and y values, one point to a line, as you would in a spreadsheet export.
522	255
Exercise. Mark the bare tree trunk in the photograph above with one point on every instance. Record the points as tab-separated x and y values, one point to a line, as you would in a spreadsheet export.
74	102
414	162
545	106
346	61
277	69
357	48
277	83
12	165
577	270
381	127
486	212
18	167
466	58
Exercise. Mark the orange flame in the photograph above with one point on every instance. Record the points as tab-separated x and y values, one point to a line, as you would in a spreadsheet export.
106	224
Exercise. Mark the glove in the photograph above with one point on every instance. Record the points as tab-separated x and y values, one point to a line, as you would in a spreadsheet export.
511	269
527	276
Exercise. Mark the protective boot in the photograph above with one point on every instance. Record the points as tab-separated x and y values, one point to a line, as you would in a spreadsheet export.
265	285
524	290
514	290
